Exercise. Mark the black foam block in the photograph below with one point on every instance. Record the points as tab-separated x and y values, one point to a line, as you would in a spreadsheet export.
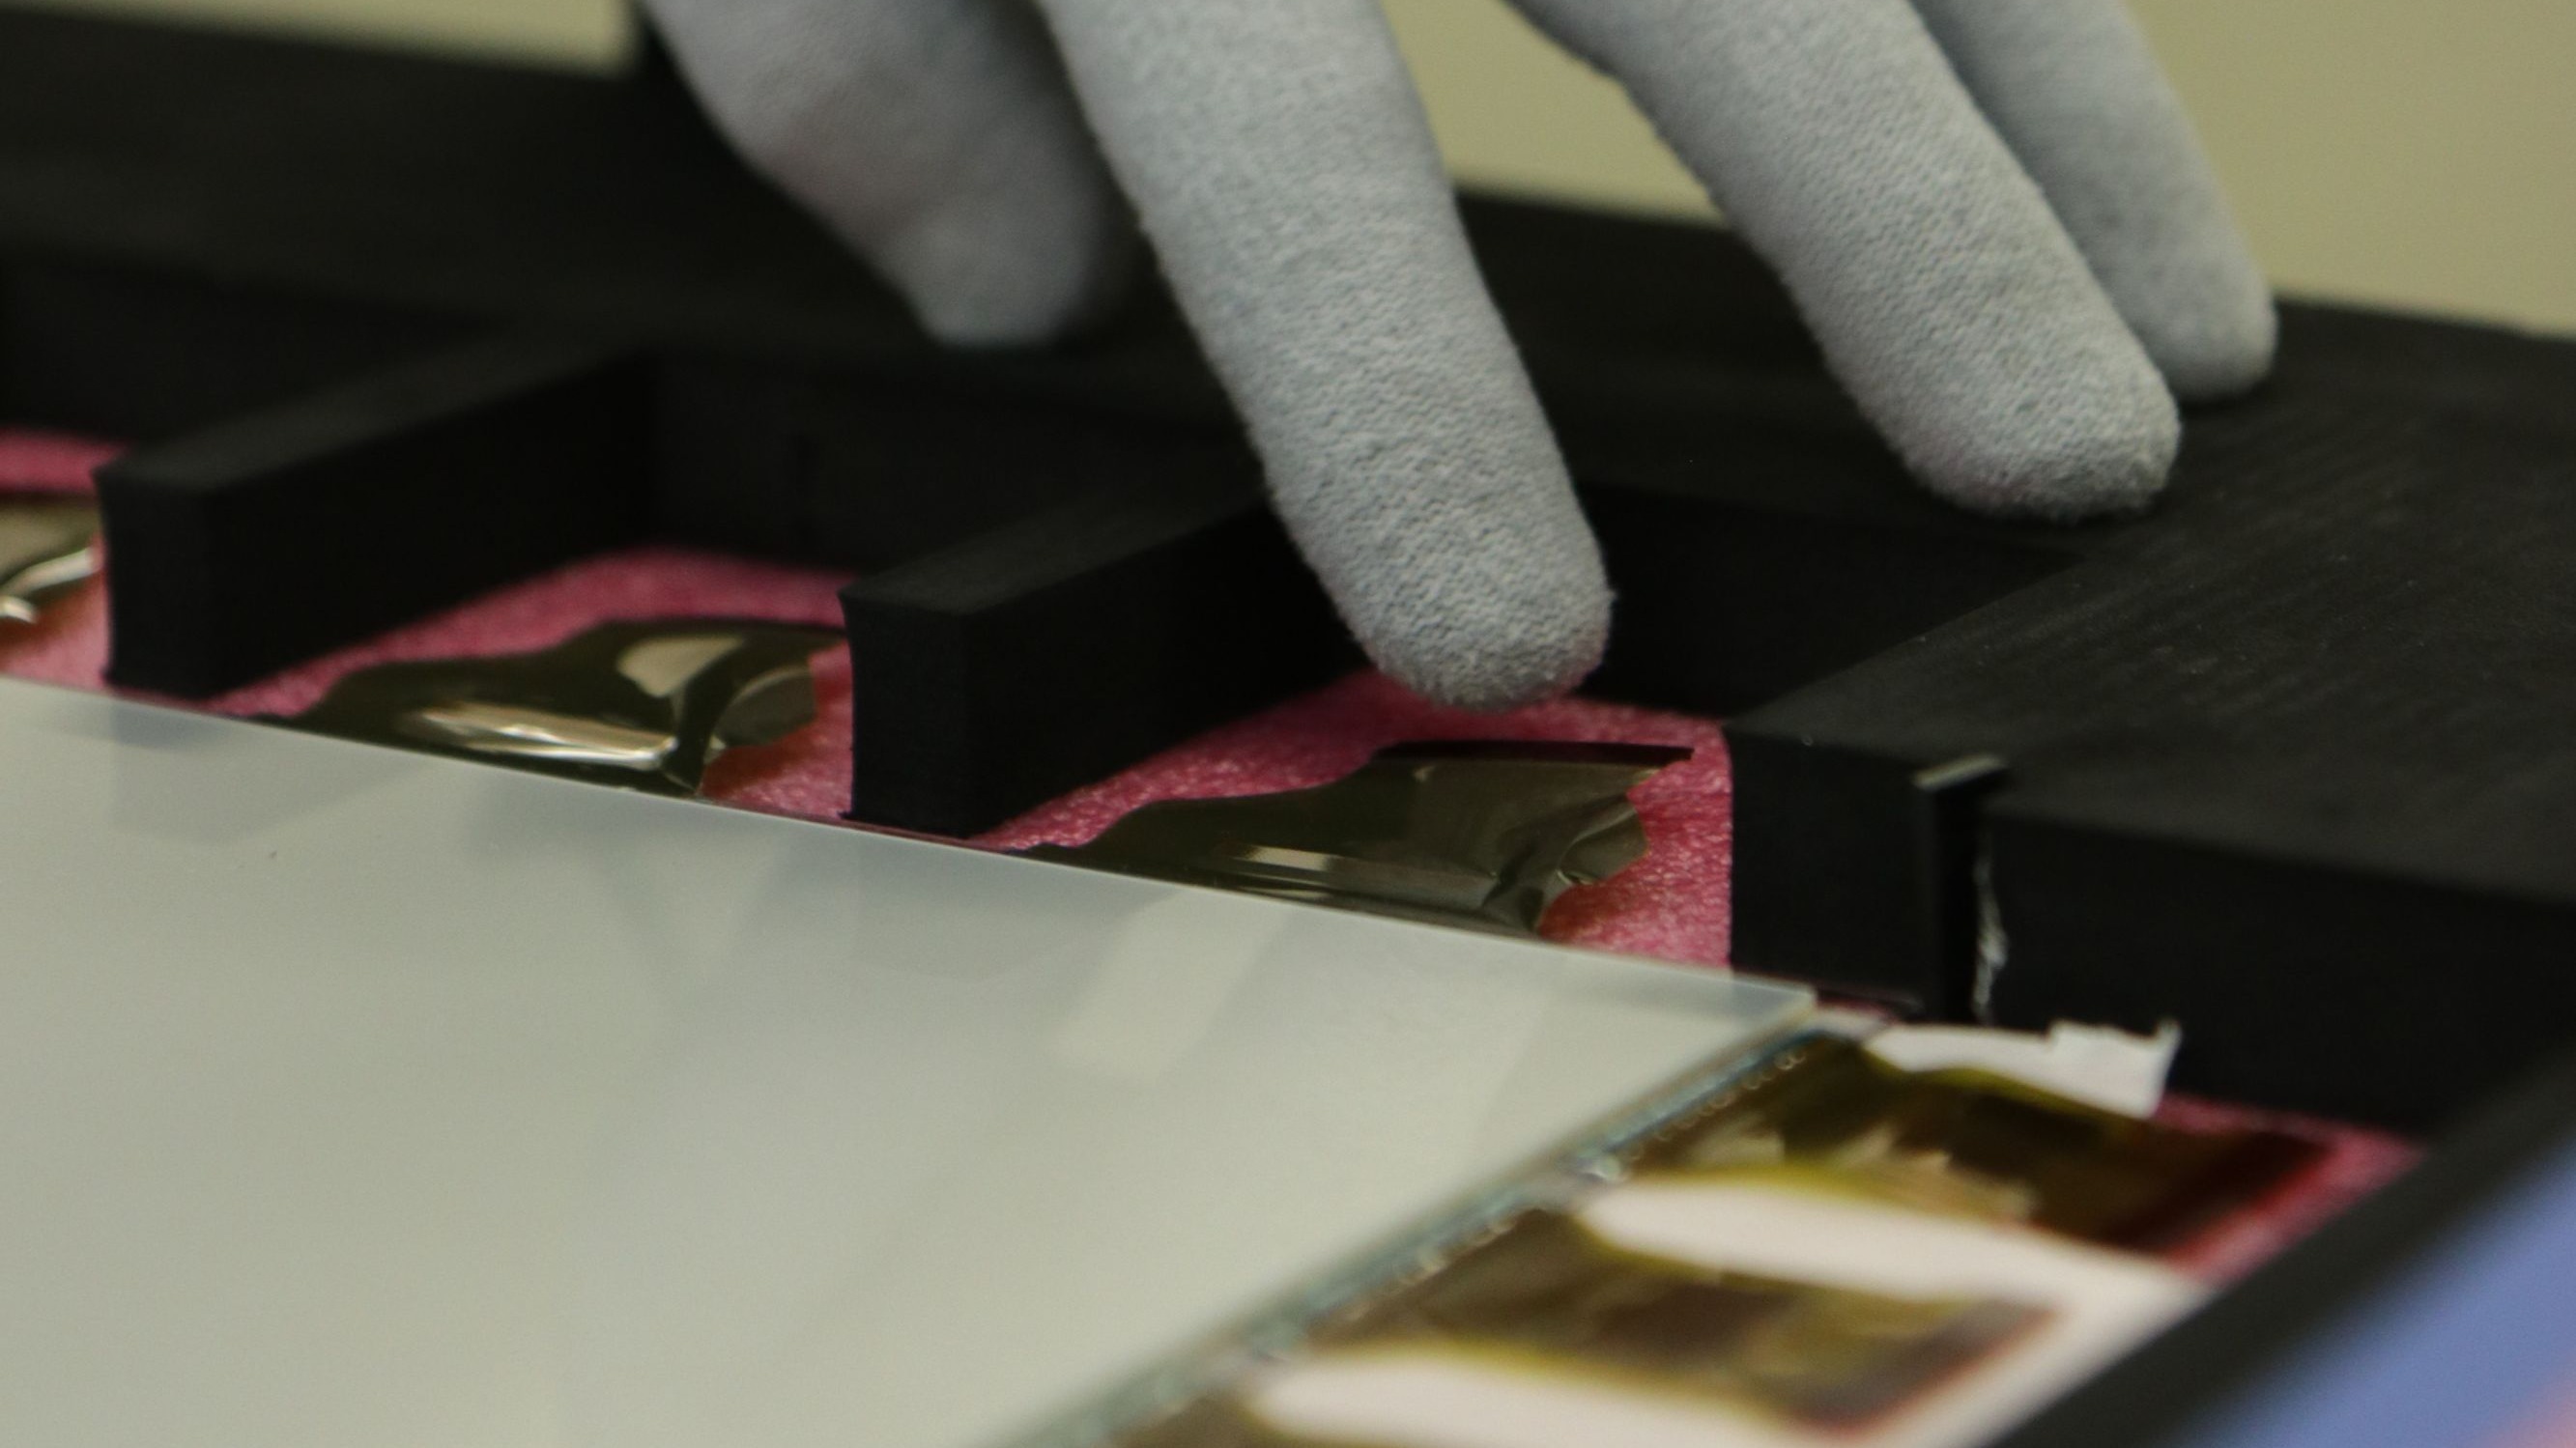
998	674
249	546
2289	761
117	352
871	467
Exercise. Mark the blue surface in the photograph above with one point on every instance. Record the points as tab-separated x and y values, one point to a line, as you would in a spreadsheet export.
2462	1350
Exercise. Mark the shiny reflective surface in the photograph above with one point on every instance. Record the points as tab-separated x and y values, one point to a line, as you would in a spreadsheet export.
2084	1308
1822	1248
363	1098
46	550
1548	1292
644	704
1481	834
1834	1117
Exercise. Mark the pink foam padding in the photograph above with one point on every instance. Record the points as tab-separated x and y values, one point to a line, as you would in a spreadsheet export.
69	644
1671	904
807	775
66	645
646	582
51	462
2353	1162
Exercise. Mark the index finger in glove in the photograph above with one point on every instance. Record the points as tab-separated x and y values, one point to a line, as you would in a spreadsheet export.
2073	87
1944	292
1286	176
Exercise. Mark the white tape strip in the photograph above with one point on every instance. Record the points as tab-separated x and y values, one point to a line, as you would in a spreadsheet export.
2094	1065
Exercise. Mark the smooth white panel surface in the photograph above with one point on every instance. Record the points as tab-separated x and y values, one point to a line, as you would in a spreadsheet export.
360	1099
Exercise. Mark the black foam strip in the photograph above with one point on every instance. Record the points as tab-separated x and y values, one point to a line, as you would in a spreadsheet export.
1052	653
290	532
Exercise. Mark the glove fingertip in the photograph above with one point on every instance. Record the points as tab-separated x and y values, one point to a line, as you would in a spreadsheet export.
2106	458
1500	660
976	277
2224	351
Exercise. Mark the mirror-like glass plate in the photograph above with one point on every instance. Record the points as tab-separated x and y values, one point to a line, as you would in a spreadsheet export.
370	1098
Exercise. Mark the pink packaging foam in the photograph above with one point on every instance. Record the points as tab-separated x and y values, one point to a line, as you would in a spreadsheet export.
50	462
2352	1163
1671	905
68	645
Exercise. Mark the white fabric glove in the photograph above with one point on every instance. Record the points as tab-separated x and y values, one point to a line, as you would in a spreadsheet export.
1992	213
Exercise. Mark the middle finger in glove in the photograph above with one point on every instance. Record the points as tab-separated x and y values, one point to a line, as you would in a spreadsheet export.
1945	293
1286	176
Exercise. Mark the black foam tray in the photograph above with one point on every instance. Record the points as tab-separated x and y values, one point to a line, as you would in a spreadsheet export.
2289	759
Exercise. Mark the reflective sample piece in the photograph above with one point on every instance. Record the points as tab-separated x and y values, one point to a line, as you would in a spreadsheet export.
2093	1305
48	546
645	705
1708	1313
1833	1116
372	1098
1826	1357
1479	834
1827	1249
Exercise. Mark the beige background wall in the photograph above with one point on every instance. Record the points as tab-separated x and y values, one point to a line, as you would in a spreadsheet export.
2416	152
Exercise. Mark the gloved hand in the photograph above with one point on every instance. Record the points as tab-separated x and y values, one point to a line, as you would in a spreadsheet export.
1992	213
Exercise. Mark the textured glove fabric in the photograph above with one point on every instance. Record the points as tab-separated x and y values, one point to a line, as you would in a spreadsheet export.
2071	85
1288	180
1841	144
935	136
1991	212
